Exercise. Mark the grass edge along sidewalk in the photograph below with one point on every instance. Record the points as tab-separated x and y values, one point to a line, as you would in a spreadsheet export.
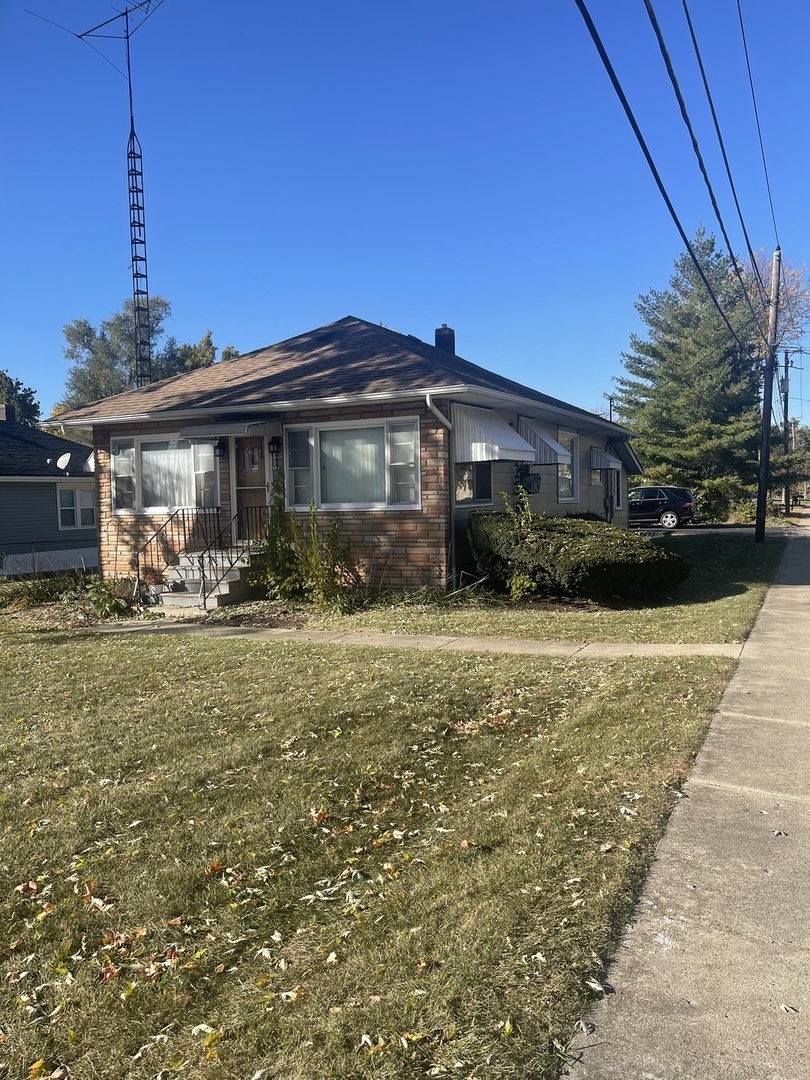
230	858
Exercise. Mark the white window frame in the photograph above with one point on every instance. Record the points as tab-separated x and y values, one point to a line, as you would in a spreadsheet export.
137	478
77	490
386	423
618	502
562	437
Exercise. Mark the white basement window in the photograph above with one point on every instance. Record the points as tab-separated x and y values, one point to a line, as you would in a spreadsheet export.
352	465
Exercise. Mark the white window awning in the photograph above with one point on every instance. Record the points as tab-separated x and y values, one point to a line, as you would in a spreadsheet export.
547	449
239	428
482	435
602	460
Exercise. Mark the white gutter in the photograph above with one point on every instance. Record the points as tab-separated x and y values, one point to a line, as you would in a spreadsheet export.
439	415
515	402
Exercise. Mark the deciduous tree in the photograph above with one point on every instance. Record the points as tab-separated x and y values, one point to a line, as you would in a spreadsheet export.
22	398
102	359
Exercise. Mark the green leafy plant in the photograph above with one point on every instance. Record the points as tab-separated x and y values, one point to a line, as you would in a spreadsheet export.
111	597
294	562
525	553
274	562
328	574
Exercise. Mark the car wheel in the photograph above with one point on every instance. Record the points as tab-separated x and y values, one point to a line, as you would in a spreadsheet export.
669	520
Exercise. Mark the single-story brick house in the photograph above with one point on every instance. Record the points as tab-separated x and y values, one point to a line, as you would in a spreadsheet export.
47	501
397	438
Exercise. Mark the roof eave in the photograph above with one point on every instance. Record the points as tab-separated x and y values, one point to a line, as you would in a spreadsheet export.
516	402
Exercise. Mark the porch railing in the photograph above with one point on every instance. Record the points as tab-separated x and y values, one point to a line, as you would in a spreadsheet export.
232	543
188	529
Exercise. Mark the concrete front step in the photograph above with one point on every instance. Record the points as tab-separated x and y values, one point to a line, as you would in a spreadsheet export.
181	587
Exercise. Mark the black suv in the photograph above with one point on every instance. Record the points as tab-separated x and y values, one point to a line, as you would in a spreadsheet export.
668	506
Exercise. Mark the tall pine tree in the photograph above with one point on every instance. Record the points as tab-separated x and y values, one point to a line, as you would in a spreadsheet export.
691	393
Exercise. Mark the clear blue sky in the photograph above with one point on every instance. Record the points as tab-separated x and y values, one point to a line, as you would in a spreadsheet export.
455	161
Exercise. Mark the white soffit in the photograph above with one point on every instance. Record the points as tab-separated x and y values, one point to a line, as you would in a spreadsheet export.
482	435
602	460
548	450
238	428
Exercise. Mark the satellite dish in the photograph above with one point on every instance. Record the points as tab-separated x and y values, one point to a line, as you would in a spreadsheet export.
63	461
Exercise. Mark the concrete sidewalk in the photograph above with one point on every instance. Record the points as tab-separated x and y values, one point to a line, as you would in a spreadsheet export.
431	642
712	979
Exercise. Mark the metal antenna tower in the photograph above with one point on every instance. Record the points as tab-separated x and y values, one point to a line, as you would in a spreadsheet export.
137	217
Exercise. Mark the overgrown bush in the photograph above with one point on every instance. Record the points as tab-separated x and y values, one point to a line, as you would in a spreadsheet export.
112	597
530	554
102	597
17	594
295	562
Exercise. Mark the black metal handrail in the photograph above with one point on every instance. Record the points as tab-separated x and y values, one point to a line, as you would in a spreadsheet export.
186	529
246	528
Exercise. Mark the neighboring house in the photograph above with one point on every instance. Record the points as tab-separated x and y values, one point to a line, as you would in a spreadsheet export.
396	438
47	501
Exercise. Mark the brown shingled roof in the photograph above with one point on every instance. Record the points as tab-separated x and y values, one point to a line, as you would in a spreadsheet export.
347	358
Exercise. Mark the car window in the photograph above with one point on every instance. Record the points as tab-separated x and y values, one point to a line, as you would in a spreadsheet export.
635	495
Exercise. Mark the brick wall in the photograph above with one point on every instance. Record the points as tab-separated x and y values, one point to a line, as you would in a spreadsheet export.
391	548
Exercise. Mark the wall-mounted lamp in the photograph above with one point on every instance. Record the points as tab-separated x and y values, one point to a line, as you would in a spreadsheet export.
274	445
221	448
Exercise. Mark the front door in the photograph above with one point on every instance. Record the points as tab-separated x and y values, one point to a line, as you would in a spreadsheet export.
252	486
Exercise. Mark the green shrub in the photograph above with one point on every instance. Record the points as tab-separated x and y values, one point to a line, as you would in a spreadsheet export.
527	553
293	562
112	597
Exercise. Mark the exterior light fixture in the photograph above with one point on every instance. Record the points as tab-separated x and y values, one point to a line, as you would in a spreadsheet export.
274	445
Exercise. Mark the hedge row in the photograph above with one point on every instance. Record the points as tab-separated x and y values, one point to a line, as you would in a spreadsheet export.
526	553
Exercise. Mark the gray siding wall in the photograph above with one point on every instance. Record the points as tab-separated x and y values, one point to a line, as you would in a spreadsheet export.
29	520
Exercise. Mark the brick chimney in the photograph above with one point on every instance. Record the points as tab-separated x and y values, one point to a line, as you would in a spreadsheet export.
7	411
446	338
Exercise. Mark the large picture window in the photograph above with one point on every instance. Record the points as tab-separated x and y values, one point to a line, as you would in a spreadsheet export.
568	474
162	474
369	465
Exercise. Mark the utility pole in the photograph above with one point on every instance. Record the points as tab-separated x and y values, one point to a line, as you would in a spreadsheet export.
786	428
767	403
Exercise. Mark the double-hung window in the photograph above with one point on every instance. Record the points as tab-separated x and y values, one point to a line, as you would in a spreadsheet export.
372	464
568	474
77	507
165	473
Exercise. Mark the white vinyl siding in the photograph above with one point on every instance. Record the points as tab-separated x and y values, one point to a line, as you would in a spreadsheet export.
360	465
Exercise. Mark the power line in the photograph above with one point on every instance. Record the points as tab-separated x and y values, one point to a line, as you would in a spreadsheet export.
583	10
754	265
759	128
701	163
